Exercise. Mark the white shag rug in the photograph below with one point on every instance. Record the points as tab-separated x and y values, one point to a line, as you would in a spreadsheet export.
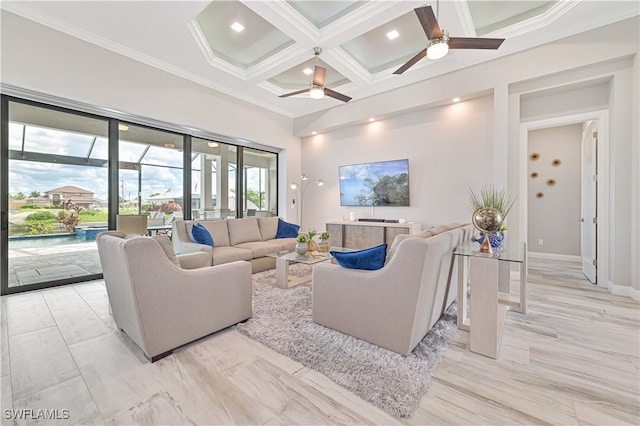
395	383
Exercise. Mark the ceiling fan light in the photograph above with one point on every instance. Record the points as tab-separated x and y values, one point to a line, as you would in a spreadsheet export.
437	49
316	92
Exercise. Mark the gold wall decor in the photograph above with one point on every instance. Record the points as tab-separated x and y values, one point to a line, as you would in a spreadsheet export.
551	182
556	162
534	175
540	195
534	156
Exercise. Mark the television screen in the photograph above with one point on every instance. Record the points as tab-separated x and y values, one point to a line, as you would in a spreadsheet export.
385	183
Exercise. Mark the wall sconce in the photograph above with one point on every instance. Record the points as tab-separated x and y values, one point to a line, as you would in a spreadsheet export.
302	186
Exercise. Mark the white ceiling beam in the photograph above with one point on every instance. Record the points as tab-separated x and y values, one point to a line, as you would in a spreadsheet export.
280	62
466	20
344	63
286	19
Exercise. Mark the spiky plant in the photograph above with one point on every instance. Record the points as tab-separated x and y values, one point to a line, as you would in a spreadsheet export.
490	196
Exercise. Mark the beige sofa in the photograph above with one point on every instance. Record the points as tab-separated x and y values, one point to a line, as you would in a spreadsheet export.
247	239
161	305
393	307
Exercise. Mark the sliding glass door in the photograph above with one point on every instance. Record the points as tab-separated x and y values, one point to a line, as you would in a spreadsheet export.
57	195
213	167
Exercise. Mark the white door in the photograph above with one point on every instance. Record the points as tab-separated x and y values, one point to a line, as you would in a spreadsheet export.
589	200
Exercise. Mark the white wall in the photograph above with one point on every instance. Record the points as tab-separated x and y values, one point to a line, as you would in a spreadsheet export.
449	150
38	58
554	217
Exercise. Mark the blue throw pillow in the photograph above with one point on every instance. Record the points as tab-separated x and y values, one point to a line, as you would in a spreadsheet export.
201	235
369	259
287	230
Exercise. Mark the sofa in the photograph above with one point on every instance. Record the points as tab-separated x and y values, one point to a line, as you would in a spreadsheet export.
393	307
163	301
247	239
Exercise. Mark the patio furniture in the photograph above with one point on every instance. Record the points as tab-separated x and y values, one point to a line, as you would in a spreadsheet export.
132	224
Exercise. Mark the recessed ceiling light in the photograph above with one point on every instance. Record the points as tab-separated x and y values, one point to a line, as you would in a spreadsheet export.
314	133
392	34
372	120
123	127
307	71
237	27
456	99
212	144
169	145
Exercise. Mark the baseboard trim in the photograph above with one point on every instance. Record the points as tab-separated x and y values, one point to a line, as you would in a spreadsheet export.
624	291
554	256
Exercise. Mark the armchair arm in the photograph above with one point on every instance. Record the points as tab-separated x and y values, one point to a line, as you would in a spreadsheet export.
194	260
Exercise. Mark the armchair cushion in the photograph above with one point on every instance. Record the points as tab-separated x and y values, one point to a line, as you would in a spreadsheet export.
370	259
167	247
287	230
201	235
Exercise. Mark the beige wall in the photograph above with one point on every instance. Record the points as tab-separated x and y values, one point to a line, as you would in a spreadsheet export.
554	217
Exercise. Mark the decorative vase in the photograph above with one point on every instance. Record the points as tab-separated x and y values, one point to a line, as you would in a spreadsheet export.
301	248
495	239
312	245
323	245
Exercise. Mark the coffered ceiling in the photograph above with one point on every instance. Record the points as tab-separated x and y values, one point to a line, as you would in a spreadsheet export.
258	50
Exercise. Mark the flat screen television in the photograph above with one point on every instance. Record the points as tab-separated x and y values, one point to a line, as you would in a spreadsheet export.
385	183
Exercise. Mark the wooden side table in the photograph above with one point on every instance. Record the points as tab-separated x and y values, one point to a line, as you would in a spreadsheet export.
490	296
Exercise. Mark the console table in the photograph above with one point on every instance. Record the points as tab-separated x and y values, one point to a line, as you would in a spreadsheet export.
361	235
490	295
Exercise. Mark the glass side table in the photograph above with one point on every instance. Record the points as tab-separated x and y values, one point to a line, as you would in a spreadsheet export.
490	295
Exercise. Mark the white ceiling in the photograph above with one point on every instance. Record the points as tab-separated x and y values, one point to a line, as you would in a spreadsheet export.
193	39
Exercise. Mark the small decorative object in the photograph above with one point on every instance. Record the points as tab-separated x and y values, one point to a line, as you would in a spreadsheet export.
556	162
551	182
302	244
534	156
534	175
490	208
495	240
323	245
487	220
311	242
540	195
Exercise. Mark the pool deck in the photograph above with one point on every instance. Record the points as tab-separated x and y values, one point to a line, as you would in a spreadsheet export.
35	265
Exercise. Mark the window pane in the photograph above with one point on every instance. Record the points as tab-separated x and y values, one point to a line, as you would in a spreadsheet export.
214	191
58	198
260	183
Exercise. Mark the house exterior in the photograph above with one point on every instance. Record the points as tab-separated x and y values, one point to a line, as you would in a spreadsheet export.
76	195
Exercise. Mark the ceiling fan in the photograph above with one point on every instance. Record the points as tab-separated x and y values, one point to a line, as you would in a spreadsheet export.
440	42
317	89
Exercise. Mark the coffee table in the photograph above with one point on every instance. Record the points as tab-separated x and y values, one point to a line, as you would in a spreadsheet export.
286	258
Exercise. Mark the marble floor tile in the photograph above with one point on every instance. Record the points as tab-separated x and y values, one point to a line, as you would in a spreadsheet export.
39	360
159	409
70	402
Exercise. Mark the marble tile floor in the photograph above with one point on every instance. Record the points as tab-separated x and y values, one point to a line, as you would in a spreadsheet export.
41	264
573	359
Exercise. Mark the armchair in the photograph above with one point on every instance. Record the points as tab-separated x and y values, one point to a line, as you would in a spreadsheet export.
393	307
162	306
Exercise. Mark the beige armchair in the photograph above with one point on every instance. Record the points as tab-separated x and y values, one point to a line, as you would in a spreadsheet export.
393	307
159	304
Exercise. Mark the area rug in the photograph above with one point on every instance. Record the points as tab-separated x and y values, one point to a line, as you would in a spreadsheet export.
395	383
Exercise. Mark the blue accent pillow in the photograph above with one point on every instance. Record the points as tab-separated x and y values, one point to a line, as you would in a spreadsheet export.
369	259
287	230
201	235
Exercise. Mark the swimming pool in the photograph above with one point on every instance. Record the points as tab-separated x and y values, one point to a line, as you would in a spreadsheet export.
36	241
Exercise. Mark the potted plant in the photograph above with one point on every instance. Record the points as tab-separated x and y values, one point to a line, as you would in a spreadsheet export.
323	245
302	244
500	200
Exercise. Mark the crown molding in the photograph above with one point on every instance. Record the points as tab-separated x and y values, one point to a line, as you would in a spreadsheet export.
346	65
210	56
466	20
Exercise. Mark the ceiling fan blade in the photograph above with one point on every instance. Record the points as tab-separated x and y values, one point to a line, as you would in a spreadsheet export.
336	95
411	62
286	95
318	76
474	43
429	22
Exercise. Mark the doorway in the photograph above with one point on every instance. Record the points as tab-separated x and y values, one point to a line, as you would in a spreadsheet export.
583	215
